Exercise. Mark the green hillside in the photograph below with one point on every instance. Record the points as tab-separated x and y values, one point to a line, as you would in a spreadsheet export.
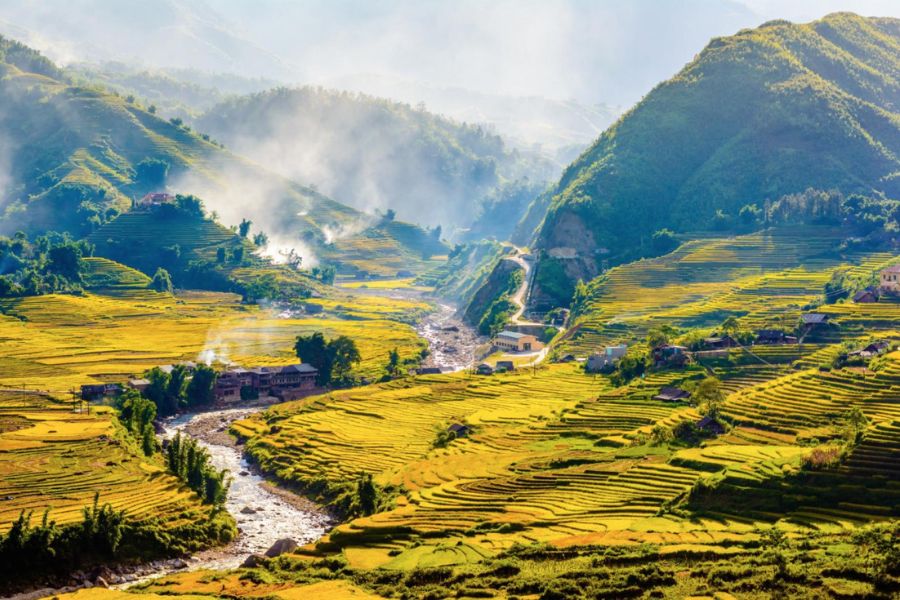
75	156
756	116
373	153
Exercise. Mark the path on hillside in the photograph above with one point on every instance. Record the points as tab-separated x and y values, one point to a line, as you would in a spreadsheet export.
520	298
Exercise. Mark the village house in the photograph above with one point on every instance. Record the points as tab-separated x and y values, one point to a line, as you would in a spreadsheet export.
719	343
814	319
774	336
99	391
140	385
890	280
866	296
606	359
670	355
505	365
286	383
672	394
484	369
459	430
428	371
154	200
710	425
873	349
512	341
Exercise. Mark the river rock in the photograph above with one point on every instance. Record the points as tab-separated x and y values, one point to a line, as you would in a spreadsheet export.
179	564
252	561
244	473
281	546
100	582
247	511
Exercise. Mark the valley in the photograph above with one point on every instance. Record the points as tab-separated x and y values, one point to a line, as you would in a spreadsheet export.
673	372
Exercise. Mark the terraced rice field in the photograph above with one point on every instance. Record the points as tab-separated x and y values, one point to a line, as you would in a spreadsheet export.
53	456
765	279
561	457
60	342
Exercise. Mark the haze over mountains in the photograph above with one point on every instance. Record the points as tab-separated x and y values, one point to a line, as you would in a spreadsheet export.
532	70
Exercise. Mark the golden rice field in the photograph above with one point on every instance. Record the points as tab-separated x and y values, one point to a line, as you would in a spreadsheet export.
54	456
556	456
60	342
765	279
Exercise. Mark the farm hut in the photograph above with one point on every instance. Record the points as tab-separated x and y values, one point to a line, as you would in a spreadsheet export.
484	369
866	296
773	336
139	384
710	425
719	343
890	280
100	390
670	355
873	349
672	394
428	371
814	319
505	365
459	430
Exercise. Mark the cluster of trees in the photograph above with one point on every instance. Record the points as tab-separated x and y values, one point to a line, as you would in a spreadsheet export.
27	549
191	463
137	414
180	388
334	358
51	263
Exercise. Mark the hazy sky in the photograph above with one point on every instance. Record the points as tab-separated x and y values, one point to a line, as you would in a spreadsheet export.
609	51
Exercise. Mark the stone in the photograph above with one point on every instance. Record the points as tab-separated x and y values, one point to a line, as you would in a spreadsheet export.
281	546
247	511
100	582
252	561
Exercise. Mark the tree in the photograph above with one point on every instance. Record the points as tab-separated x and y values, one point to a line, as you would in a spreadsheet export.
709	396
161	281
65	260
244	227
657	337
660	434
855	424
750	214
366	494
731	326
156	391
200	388
313	350
189	205
261	240
237	255
344	354
664	241
177	384
137	414
151	172
390	214
393	365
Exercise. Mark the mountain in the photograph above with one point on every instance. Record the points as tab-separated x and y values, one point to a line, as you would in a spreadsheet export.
756	116
373	154
553	127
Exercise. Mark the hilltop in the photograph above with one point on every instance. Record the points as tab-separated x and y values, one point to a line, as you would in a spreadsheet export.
754	117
